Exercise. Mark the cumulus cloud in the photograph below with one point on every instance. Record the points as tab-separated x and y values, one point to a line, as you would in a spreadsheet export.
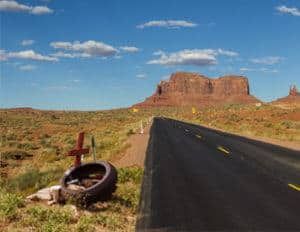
288	10
27	67
141	76
265	70
268	60
3	55
70	55
27	42
227	53
27	54
198	57
170	24
246	69
129	49
91	47
14	6
39	10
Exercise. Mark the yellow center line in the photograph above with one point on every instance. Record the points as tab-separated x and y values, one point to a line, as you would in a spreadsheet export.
294	187
220	148
199	136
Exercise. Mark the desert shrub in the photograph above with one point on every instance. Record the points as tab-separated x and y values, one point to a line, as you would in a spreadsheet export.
48	219
287	124
128	195
85	224
27	146
45	142
130	174
234	118
113	222
9	204
16	154
33	180
11	136
268	124
130	132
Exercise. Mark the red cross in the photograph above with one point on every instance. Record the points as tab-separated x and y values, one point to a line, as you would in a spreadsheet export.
79	151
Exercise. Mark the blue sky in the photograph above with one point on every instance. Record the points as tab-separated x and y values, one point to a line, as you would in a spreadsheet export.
105	54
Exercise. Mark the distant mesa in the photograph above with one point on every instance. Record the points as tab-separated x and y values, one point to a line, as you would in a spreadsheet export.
292	99
192	89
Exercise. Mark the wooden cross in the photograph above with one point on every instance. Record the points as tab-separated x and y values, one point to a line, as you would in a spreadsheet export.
79	151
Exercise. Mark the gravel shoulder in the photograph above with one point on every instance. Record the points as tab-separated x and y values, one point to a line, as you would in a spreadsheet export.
135	154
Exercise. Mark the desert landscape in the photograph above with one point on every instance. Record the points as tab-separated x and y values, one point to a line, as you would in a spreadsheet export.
34	144
149	115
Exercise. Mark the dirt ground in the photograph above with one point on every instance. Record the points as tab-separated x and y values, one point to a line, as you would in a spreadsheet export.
135	154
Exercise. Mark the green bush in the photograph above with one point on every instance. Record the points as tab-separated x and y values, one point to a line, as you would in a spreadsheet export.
48	219
9	204
130	174
33	180
111	222
15	154
85	224
128	195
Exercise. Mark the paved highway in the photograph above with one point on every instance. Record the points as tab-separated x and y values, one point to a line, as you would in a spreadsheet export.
199	179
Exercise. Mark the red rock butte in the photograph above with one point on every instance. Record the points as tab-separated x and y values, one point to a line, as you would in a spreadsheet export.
192	89
292	98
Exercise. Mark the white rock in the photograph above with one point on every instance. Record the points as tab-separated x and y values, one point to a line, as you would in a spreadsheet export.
46	194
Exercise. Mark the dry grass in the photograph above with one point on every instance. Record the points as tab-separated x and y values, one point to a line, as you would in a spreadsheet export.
34	146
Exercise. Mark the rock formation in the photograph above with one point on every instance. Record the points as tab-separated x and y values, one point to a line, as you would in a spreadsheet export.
183	89
293	99
294	91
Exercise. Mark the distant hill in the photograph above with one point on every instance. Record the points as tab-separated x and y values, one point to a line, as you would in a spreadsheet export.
293	99
184	89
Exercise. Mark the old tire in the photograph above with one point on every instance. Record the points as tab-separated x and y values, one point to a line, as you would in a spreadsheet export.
101	191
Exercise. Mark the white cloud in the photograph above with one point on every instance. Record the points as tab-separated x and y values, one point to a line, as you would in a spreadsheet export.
3	55
30	55
39	10
129	49
141	76
28	67
14	6
91	47
227	53
268	60
171	24
58	88
76	80
70	55
158	53
198	57
246	69
27	42
265	70
288	10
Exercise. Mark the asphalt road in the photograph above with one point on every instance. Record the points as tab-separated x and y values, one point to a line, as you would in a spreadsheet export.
199	179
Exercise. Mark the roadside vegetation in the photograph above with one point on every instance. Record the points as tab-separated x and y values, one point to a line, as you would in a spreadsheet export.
33	147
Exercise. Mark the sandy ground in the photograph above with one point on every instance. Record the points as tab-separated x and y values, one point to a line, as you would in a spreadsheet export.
135	154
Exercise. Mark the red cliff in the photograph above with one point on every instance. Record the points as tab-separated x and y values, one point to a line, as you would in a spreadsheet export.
194	89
